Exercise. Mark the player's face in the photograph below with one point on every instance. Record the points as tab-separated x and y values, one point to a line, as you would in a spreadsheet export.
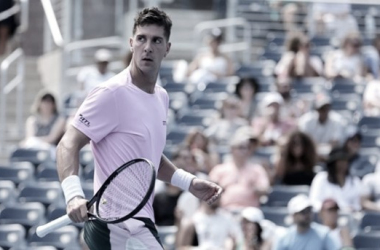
149	47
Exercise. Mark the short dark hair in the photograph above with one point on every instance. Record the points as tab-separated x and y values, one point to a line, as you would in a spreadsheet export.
154	16
247	80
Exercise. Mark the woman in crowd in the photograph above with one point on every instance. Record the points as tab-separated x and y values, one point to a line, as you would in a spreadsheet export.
212	64
336	183
246	90
348	61
329	215
296	160
297	61
45	126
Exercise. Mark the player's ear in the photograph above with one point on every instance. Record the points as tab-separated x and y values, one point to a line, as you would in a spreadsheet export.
131	43
168	45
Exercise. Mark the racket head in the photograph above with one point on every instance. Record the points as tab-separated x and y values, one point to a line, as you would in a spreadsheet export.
125	192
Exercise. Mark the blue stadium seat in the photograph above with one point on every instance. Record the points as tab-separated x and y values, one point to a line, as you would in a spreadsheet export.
351	103
277	215
37	248
7	192
18	172
281	194
65	237
370	222
347	88
27	214
55	211
167	236
208	101
367	240
219	87
198	118
177	135
178	101
88	173
85	156
179	87
367	123
12	235
34	156
45	192
47	174
370	140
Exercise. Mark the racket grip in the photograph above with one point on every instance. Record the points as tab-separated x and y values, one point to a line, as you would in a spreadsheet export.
53	225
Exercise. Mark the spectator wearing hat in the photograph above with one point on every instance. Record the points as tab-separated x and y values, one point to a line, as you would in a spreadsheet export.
271	126
213	227
359	164
304	234
337	183
257	232
295	162
89	77
211	65
370	195
322	125
246	90
329	215
221	130
243	182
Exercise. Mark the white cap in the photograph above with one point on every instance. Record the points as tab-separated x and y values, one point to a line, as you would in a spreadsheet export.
103	55
252	214
298	203
272	97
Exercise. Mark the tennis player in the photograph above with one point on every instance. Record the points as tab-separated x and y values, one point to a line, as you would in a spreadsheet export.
123	119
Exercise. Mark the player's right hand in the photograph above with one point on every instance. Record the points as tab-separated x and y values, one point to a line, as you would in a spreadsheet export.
77	209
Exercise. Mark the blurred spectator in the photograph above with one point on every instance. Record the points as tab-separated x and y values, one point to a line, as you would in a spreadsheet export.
213	64
304	234
373	56
7	26
202	150
246	90
359	164
221	130
243	182
331	20
271	126
370	198
329	215
336	183
348	61
296	162
45	127
297	61
89	77
164	205
212	226
255	229
322	125
292	107
371	99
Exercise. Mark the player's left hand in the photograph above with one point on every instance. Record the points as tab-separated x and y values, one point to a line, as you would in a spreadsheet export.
205	190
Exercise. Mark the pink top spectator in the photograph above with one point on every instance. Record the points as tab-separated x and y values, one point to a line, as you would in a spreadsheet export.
240	184
118	136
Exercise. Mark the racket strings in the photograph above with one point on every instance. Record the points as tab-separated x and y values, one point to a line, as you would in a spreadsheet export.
125	192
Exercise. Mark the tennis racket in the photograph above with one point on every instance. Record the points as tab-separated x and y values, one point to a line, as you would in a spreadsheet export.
122	195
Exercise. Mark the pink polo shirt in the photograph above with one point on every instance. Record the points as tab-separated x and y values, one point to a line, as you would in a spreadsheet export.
123	123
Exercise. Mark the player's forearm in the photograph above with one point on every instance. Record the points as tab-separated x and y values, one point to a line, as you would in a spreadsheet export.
166	169
67	159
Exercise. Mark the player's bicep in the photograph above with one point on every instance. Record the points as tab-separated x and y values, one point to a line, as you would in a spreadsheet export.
74	138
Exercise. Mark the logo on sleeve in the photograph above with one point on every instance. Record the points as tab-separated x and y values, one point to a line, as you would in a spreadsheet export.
84	120
164	123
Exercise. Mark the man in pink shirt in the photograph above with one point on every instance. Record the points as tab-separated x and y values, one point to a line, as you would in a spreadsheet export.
125	118
243	182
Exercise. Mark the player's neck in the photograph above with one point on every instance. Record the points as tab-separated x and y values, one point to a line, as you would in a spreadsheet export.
145	82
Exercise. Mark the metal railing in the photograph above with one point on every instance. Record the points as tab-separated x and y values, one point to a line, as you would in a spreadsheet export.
231	45
6	87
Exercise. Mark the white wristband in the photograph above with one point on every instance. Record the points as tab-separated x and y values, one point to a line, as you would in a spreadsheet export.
182	179
71	187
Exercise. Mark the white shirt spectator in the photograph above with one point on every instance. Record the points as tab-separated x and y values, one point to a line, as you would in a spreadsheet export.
347	197
90	77
331	130
371	187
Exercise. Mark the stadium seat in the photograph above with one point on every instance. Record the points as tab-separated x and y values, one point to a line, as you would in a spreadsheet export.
208	101
27	214
351	103
351	88
177	135
17	172
167	236
367	123
199	118
45	192
85	156
7	192
47	174
37	248
65	237
367	240
370	140
219	87
281	194
12	235
277	215
370	222
179	87
88	173
34	156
